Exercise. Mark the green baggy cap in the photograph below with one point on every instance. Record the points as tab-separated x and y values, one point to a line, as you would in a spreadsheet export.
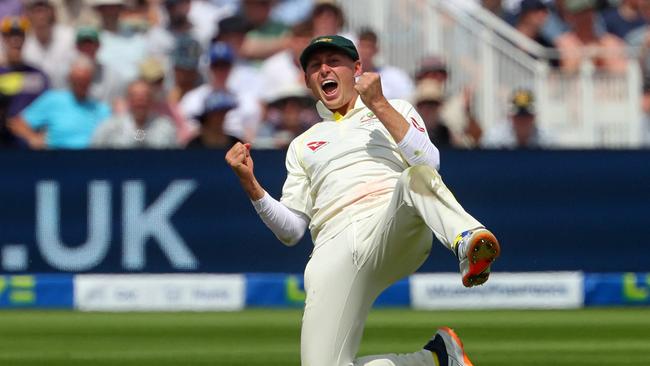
334	42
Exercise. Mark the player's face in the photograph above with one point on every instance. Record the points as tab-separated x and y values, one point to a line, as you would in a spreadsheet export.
330	76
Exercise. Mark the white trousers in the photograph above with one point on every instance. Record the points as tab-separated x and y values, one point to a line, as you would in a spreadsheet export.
345	275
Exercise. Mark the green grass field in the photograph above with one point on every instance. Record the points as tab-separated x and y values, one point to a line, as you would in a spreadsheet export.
271	337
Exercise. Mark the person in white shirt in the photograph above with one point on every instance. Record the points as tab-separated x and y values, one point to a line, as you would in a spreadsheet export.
365	180
50	45
395	82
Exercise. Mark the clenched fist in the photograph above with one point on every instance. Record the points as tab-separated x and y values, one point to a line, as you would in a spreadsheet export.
369	88
239	159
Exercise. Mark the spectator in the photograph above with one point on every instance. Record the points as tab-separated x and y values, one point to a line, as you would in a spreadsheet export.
328	18
212	134
520	131
20	83
205	16
118	49
50	45
456	109
108	83
530	20
639	38
162	39
573	28
245	75
283	68
185	59
395	83
63	118
290	111
428	101
152	71
139	127
241	121
266	36
622	19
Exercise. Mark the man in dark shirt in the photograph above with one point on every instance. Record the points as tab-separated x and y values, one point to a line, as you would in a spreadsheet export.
212	135
20	83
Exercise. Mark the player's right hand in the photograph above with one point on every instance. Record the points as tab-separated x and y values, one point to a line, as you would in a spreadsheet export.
240	160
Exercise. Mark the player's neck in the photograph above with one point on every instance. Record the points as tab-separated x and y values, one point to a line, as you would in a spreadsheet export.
343	110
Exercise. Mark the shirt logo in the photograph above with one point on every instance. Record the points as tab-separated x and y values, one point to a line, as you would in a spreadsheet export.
416	125
315	145
368	117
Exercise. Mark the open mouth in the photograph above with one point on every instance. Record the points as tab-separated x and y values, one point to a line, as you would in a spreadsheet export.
329	87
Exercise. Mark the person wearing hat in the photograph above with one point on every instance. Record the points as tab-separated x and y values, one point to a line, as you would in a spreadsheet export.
241	121
365	180
20	82
109	83
428	99
49	44
212	118
520	131
185	61
289	112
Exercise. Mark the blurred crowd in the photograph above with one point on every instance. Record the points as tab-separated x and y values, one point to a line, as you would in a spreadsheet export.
78	74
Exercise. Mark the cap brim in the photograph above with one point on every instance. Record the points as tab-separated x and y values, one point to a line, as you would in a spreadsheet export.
312	48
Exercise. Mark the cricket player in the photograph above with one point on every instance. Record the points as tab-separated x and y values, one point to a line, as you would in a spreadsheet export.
365	181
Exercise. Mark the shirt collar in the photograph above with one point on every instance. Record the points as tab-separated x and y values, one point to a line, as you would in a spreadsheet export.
328	115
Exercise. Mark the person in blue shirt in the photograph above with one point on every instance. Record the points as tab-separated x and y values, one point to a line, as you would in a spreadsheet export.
63	119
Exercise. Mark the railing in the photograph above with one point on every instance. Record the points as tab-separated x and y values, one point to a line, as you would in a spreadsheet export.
589	108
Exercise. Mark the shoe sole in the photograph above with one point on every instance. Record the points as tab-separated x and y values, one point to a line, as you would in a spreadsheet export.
482	252
456	339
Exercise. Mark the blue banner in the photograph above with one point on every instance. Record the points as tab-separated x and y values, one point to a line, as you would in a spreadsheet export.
36	291
184	211
606	289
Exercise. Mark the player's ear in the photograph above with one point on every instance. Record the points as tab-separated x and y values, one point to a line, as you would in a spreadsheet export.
358	69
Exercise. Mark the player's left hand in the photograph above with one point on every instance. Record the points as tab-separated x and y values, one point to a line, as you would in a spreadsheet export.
369	88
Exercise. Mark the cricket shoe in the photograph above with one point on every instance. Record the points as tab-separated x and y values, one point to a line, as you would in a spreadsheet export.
448	349
476	250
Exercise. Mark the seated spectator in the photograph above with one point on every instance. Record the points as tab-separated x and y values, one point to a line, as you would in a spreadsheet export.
152	71
245	74
241	121
139	127
283	68
211	133
622	19
161	38
328	18
119	49
395	83
530	20
428	101
20	83
63	119
108	83
520	131
639	38
573	28
456	110
290	111
49	45
185	60
266	36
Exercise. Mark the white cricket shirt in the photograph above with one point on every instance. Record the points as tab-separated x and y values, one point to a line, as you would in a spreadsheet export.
344	168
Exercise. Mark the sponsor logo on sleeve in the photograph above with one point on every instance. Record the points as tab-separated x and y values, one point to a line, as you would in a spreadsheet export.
417	125
315	145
